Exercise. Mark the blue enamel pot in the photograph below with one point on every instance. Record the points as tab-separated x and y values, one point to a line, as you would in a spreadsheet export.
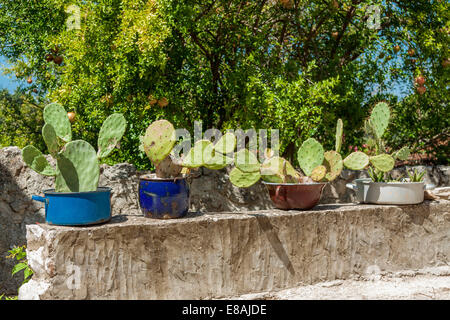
76	208
163	198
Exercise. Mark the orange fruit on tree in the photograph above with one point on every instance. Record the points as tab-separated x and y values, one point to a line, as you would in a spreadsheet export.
71	116
420	80
58	60
421	90
163	102
446	62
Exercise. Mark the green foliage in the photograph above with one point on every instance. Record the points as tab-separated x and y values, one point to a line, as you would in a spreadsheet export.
20	255
376	176
416	176
423	123
233	64
20	120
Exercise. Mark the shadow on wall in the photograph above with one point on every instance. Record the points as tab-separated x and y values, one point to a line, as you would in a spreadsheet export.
17	185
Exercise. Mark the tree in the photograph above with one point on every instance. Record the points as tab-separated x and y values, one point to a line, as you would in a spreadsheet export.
20	120
292	65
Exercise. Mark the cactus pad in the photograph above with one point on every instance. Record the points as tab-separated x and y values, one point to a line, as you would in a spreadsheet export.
356	161
50	139
243	179
159	140
383	162
246	161
226	144
310	155
402	154
110	134
318	173
36	161
334	165
55	115
379	118
79	167
278	170
272	170
198	155
339	134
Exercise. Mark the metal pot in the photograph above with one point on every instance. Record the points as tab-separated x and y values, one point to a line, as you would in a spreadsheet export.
76	208
163	198
288	196
389	192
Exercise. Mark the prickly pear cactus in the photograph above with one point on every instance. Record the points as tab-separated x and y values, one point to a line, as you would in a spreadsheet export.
198	155
244	179
226	144
110	134
36	161
50	139
78	166
246	161
77	162
56	115
159	140
383	162
402	154
356	161
278	170
333	164
339	135
318	174
168	168
379	118
214	159
310	155
272	170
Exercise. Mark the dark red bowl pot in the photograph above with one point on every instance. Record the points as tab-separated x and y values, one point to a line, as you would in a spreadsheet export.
288	196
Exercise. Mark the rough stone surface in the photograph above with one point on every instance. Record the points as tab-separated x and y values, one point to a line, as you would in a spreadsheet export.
212	192
426	284
222	255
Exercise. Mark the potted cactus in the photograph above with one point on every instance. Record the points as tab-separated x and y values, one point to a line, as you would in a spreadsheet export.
289	188
381	188
76	199
165	193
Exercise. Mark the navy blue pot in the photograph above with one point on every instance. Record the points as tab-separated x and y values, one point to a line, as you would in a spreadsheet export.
76	208
163	198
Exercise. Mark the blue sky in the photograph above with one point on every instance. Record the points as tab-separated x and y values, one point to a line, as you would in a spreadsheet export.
6	81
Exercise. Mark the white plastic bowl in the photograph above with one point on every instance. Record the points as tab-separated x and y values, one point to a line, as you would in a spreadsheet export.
388	192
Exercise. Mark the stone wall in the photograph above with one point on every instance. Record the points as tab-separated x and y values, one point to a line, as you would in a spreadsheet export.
227	254
212	192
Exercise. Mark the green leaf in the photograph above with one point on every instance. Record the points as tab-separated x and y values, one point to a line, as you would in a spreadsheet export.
18	267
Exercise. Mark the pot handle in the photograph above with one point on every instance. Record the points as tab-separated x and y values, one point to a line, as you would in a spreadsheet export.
40	199
351	186
277	193
429	186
